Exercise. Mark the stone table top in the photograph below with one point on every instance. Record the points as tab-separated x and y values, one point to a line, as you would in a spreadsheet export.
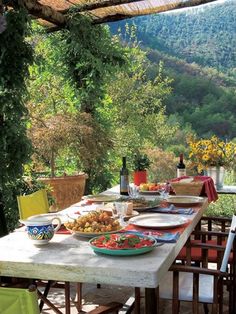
69	258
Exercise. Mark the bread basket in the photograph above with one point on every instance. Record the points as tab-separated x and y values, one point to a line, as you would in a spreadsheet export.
187	188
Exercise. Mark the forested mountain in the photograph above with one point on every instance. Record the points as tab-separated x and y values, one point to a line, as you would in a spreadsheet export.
205	34
198	49
202	98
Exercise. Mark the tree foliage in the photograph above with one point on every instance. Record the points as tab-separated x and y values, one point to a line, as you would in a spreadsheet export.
15	56
91	56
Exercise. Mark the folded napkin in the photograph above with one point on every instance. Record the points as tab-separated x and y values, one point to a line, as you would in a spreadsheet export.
171	210
164	237
208	188
63	230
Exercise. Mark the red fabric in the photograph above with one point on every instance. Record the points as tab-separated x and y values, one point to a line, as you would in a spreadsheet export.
196	252
63	230
208	188
158	232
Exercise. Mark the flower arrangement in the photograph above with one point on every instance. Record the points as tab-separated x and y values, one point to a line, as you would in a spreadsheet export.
211	152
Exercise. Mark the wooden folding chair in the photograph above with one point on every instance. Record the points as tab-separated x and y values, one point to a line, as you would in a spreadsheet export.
201	284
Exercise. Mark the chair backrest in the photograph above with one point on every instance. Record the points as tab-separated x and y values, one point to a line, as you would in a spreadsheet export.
33	204
229	245
18	300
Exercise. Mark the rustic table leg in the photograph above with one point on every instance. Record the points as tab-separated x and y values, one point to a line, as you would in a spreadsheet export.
151	299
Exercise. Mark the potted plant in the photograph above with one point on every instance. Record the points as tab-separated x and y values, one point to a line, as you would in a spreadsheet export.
141	164
51	137
212	156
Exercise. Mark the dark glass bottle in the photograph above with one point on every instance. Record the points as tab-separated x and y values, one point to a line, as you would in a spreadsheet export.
181	169
124	178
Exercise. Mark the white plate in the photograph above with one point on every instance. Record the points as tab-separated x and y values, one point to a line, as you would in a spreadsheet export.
101	198
134	213
184	200
90	235
158	221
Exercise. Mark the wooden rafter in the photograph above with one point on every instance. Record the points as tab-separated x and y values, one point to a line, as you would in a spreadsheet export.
101	4
160	9
104	10
45	12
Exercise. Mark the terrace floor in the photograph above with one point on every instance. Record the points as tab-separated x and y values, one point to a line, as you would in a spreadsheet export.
92	296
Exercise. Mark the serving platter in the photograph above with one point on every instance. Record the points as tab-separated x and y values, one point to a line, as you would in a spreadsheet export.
184	200
90	234
125	252
101	198
158	221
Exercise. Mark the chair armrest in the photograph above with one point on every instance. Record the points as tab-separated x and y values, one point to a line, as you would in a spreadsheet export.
197	270
207	246
211	233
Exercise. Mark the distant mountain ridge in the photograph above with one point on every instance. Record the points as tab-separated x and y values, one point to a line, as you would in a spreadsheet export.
205	35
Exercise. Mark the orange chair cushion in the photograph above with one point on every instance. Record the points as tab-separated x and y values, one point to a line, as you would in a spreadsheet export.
196	253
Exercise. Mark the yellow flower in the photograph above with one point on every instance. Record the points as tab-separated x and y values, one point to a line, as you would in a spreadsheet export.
211	152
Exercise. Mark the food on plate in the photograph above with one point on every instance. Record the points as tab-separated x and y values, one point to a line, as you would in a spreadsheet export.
140	203
110	209
122	241
150	186
94	222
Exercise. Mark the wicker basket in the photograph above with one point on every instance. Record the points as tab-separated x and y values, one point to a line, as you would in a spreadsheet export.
191	188
67	190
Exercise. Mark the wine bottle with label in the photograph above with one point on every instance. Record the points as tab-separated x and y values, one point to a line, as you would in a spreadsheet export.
181	169
124	178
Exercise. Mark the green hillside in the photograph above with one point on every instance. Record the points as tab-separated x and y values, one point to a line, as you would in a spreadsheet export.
201	98
198	49
205	34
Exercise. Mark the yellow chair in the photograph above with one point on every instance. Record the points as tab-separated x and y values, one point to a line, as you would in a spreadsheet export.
19	300
33	204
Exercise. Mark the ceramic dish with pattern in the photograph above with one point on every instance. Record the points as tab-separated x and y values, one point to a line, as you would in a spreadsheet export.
123	244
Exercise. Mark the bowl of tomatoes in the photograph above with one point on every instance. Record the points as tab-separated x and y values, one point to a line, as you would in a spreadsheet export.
123	244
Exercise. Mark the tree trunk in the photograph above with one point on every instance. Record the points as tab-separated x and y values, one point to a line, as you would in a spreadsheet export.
3	224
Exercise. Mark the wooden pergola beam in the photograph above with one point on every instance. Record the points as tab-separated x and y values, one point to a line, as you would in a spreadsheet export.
100	5
161	9
59	18
43	11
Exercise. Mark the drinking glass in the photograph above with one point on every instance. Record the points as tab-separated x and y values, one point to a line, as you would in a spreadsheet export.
121	210
133	191
164	192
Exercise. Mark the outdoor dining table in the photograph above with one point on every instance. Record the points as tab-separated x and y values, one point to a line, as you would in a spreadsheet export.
70	258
